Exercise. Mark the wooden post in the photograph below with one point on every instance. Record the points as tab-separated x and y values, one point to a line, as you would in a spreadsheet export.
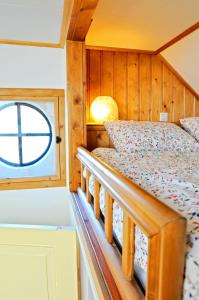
108	217
76	74
83	184
128	246
88	194
97	199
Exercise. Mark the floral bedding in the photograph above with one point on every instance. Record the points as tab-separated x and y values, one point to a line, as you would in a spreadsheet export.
174	179
134	136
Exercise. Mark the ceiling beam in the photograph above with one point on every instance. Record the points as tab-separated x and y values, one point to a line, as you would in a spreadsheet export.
81	19
177	38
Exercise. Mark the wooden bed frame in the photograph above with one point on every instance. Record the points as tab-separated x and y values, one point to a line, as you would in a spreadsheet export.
165	229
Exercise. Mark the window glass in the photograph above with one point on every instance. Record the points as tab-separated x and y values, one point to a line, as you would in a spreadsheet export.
9	149
8	119
29	132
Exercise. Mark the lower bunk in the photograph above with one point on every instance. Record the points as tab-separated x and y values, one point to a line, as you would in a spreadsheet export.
149	226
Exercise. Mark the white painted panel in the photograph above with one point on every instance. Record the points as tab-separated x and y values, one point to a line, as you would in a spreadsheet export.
38	263
184	57
32	67
31	20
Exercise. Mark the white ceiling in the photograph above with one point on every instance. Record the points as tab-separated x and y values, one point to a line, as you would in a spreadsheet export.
32	20
184	57
140	24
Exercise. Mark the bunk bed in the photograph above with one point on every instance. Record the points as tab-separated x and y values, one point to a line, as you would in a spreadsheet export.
146	202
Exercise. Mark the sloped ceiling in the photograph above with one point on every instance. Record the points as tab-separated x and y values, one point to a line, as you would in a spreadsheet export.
32	20
184	57
140	24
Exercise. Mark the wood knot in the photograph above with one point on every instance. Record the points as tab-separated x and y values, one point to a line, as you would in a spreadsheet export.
77	100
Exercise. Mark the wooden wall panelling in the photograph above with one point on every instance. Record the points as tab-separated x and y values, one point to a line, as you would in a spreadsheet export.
196	108
156	98
106	78
179	99
145	87
120	83
189	104
133	87
167	92
94	77
76	108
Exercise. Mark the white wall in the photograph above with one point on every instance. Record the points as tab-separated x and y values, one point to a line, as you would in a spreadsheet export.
33	67
184	57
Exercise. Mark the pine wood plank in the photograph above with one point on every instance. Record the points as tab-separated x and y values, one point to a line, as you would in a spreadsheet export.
97	199
107	73
108	217
156	99
133	106
120	82
128	246
145	87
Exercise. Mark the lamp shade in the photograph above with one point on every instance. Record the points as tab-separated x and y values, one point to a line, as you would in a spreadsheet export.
104	108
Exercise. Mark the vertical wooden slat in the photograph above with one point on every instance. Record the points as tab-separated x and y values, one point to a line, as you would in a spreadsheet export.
145	87
197	107
167	105
128	246
94	77
189	104
156	99
97	199
108	217
120	82
107	73
178	97
83	183
153	268
88	194
132	87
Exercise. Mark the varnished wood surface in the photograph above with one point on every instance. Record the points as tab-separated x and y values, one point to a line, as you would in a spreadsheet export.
113	290
58	99
76	108
164	228
81	19
143	85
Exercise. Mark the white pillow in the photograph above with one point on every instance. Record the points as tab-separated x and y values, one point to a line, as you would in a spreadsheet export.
134	136
191	125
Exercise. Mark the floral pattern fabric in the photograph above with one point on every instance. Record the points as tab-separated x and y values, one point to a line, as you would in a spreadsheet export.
191	125
173	178
134	136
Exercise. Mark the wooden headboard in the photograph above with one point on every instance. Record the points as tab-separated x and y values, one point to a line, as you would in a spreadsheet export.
142	84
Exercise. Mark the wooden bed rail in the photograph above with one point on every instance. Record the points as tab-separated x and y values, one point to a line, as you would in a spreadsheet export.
165	228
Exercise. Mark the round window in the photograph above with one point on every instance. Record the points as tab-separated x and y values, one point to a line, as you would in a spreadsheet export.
25	134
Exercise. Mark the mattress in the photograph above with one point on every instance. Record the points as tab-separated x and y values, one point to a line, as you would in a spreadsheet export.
173	178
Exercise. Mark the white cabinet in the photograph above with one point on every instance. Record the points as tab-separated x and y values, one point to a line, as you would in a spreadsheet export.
38	263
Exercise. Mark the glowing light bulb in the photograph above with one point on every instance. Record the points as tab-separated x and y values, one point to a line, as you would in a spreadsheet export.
104	108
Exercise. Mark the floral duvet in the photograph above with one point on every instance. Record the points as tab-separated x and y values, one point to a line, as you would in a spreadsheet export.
173	178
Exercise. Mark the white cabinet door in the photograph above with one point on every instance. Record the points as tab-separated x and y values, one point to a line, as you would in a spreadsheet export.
38	263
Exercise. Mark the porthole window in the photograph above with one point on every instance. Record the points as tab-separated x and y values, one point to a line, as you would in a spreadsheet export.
32	138
25	134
